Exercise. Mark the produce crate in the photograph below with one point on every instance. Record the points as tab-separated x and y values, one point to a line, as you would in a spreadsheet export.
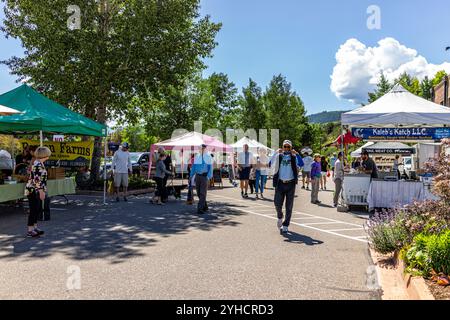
56	173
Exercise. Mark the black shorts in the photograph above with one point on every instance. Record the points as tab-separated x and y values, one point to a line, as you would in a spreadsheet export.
244	174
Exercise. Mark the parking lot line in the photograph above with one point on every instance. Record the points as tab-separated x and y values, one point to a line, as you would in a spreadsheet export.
294	212
328	222
308	226
351	229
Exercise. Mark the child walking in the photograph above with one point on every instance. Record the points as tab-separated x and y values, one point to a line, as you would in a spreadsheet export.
316	176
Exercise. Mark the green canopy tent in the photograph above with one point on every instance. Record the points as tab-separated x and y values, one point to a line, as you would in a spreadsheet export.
40	114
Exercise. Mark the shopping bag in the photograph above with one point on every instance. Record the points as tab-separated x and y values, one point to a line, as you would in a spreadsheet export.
328	174
111	187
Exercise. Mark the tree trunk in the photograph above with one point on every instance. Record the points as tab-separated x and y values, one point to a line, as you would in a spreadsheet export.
98	146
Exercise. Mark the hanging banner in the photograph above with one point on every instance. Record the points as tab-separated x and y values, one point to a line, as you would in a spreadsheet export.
401	133
65	154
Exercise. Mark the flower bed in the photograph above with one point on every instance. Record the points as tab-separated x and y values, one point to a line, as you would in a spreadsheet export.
419	233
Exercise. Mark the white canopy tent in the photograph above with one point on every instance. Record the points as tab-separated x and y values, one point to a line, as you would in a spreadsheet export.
357	153
399	107
252	144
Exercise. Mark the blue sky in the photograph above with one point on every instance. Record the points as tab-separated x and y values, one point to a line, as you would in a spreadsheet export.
261	38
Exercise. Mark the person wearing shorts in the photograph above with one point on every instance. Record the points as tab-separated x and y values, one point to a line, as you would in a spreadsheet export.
121	168
245	161
306	173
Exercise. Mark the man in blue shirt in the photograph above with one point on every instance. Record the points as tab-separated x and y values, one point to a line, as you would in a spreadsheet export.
285	182
203	170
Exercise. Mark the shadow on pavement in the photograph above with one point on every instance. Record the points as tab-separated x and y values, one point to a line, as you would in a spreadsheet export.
89	230
294	237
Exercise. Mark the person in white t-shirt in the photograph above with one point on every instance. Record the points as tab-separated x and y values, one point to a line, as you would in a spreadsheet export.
262	171
306	173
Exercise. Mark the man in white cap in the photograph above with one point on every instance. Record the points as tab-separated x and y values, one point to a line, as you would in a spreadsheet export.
122	167
285	181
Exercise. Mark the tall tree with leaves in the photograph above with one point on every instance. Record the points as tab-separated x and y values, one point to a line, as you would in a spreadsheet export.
253	110
285	110
439	77
426	87
123	49
383	87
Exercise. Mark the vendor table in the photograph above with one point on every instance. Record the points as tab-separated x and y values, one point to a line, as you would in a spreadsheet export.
10	192
392	194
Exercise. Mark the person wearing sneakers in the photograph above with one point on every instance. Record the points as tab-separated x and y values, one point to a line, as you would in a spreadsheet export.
36	189
262	166
245	162
160	177
316	175
285	179
122	167
339	172
203	171
306	173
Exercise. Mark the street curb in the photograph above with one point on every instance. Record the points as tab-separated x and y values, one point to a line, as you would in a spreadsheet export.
100	193
398	285
415	286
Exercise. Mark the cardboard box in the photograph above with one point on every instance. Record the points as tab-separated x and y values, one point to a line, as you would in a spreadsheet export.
56	173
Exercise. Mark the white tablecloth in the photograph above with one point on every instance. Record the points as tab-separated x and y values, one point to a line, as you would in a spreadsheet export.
392	194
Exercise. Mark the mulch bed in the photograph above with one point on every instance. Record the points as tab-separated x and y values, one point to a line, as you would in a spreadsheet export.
439	292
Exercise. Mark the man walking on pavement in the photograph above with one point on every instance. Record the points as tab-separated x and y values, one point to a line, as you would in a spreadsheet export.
203	171
245	162
285	182
338	178
122	167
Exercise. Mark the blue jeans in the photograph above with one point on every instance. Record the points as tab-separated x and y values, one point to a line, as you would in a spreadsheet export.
260	179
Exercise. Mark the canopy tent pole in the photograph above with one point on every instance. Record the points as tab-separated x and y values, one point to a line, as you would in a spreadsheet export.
41	138
104	174
182	166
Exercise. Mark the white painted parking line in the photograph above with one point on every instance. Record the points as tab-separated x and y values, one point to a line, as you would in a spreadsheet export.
295	212
351	229
328	222
308	218
308	226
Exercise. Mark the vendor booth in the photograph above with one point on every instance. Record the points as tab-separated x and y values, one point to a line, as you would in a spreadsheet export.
38	114
253	146
187	144
399	116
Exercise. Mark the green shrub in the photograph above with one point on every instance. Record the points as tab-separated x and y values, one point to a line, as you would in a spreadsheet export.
428	252
137	183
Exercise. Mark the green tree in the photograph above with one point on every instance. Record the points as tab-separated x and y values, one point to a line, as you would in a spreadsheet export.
439	77
426	87
383	87
285	111
124	48
410	83
137	137
253	109
226	99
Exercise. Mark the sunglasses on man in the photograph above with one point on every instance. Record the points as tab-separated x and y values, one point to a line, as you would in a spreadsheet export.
287	147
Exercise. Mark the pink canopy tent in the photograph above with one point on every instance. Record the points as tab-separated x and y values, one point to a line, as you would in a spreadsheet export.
191	141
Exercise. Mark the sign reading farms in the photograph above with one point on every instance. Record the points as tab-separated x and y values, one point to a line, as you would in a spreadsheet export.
66	154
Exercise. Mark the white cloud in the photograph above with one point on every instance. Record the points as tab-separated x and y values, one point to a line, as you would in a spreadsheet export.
358	67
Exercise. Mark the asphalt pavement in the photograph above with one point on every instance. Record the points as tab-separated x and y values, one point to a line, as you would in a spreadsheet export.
136	250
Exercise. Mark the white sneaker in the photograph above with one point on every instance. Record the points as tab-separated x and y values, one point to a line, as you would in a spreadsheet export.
280	223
